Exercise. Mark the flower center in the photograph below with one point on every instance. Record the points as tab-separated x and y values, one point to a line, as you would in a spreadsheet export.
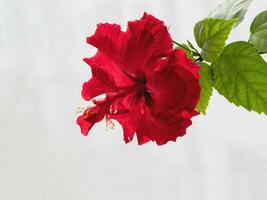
146	96
104	107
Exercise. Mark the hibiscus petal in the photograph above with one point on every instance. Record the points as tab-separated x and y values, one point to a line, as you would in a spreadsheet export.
148	40
84	125
129	111
186	66
109	39
174	84
92	115
167	89
107	77
179	56
162	127
129	123
93	88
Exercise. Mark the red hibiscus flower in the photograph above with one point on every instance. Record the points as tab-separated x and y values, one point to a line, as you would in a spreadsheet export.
150	89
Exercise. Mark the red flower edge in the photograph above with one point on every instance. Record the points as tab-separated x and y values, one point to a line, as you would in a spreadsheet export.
150	89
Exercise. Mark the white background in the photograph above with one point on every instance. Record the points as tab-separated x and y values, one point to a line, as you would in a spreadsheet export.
43	156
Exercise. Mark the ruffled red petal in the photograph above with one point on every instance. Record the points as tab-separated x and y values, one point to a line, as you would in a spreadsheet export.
174	84
109	39
129	111
135	50
107	77
179	56
162	127
92	115
84	125
93	88
186	66
148	40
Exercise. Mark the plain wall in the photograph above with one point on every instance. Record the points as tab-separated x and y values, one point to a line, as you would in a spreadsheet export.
43	156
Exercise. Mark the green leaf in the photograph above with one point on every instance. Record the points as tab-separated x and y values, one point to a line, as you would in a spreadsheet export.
259	40
240	75
231	9
259	22
206	87
210	35
258	31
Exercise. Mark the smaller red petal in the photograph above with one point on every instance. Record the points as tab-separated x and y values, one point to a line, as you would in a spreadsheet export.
163	127
179	56
84	125
99	67
109	39
93	88
93	115
142	139
129	112
107	77
107	71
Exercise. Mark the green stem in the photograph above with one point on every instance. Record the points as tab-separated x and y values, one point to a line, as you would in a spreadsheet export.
180	45
193	50
199	59
192	46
